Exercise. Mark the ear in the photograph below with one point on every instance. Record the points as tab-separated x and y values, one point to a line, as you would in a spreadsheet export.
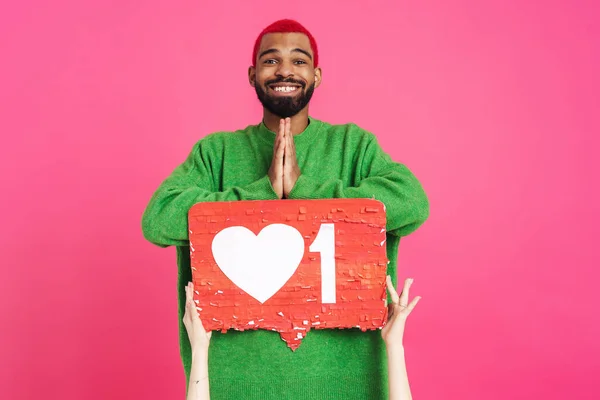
252	76
318	77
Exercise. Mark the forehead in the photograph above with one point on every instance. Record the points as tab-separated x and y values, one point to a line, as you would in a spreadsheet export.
285	42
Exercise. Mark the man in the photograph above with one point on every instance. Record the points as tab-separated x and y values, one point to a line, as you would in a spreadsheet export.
289	155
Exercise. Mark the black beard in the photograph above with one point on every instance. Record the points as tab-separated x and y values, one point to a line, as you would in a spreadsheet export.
285	106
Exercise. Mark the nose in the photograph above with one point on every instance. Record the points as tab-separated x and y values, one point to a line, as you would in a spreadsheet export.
285	69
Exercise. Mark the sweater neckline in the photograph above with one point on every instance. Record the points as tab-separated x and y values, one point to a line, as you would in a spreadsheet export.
301	139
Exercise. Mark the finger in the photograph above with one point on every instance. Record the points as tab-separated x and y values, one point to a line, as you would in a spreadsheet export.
186	316
282	145
279	148
291	136
288	127
392	315
390	288
276	145
291	147
391	311
189	304
187	293
288	151
191	291
282	128
280	157
404	294
278	139
286	131
413	304
189	297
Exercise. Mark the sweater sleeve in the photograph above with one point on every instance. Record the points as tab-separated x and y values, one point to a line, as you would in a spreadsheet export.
165	219
407	205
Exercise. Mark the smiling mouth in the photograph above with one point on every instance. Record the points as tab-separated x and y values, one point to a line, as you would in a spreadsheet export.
279	88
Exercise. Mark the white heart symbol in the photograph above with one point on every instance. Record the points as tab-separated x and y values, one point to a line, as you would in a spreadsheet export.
259	265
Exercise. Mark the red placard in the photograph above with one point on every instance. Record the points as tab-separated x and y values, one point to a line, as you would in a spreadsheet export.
289	265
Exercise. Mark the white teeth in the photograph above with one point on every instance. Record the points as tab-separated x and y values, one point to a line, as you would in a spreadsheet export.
285	88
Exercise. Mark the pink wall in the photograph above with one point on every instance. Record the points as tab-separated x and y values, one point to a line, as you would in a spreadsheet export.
494	105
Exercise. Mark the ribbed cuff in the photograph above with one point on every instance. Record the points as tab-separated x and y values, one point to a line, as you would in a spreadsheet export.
261	190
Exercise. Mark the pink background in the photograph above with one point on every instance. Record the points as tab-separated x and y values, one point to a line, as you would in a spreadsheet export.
494	107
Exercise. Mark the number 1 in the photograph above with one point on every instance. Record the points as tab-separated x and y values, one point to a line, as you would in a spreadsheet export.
325	244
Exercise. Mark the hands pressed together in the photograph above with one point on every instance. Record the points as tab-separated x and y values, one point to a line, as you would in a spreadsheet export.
284	170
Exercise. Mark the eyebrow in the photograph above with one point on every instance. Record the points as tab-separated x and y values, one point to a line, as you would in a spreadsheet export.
298	50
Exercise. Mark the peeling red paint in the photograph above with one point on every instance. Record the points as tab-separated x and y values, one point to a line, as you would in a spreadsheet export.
360	267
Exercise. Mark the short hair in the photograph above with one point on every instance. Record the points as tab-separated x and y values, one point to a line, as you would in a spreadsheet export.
286	26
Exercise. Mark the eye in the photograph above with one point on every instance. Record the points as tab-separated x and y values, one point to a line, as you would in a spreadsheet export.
270	61
299	62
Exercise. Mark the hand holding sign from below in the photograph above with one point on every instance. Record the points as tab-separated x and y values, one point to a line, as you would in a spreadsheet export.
198	388
398	311
284	170
199	337
393	336
392	333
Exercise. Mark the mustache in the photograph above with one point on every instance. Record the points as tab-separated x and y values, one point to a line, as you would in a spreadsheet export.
286	80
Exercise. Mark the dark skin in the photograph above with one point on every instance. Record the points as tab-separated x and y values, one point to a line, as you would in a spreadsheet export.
284	56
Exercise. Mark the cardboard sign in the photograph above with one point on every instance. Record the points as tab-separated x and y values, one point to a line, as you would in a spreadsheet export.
289	265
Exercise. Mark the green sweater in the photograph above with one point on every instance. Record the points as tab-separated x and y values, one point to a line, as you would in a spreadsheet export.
336	161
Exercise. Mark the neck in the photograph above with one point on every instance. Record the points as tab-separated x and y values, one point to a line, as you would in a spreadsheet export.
299	121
